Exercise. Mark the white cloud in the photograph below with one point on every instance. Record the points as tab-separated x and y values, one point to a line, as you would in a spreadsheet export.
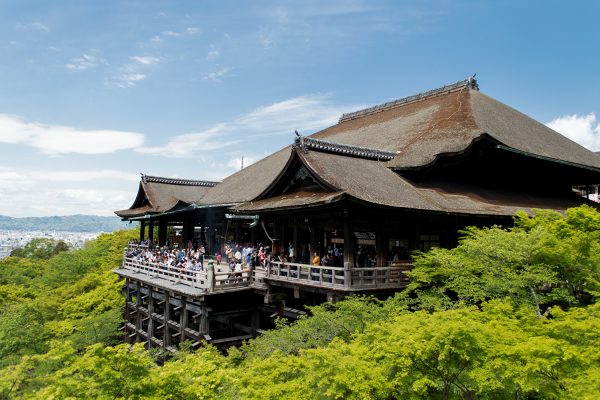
216	76
191	144
129	79
212	54
84	176
36	26
82	63
304	113
57	139
32	175
171	33
39	26
192	30
61	192
130	74
64	202
146	60
87	61
583	129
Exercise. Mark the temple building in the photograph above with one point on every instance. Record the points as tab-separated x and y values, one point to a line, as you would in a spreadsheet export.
370	190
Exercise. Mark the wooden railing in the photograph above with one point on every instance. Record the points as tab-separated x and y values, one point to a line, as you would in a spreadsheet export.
340	278
206	279
308	274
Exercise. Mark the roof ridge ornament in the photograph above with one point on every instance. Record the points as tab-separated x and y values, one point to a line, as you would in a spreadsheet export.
306	143
470	83
299	142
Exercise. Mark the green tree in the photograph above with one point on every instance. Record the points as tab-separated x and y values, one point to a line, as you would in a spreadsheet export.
41	249
544	260
116	372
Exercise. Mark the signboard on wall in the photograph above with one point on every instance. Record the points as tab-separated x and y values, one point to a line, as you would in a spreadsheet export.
365	238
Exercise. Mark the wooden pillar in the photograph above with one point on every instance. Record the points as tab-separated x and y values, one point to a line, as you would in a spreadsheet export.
295	244
274	233
187	233
162	232
183	319
255	322
381	245
283	247
203	235
210	239
313	242
348	241
347	275
151	231
150	331
142	229
138	304
417	236
238	232
126	313
204	322
167	318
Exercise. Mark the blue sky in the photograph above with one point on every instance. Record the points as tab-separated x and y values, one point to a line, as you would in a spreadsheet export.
94	92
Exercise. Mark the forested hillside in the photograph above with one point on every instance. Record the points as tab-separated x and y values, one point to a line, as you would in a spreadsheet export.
71	223
508	314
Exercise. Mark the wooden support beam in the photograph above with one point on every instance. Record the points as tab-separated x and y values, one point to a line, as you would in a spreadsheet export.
330	297
183	319
150	328
231	313
348	240
204	326
167	318
255	321
231	339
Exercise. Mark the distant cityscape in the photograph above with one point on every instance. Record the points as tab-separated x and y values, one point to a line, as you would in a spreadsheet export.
14	239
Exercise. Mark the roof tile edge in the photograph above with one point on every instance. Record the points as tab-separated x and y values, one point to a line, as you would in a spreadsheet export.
470	83
306	143
173	181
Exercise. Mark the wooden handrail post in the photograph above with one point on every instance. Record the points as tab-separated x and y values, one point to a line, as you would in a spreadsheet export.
347	275
211	276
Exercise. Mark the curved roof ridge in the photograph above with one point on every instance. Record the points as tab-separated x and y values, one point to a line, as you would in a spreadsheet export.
177	181
470	83
306	143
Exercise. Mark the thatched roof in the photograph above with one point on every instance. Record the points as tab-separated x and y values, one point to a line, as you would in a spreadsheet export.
159	194
421	127
247	183
371	181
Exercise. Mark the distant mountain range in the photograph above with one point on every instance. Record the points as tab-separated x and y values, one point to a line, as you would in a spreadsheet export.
72	223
